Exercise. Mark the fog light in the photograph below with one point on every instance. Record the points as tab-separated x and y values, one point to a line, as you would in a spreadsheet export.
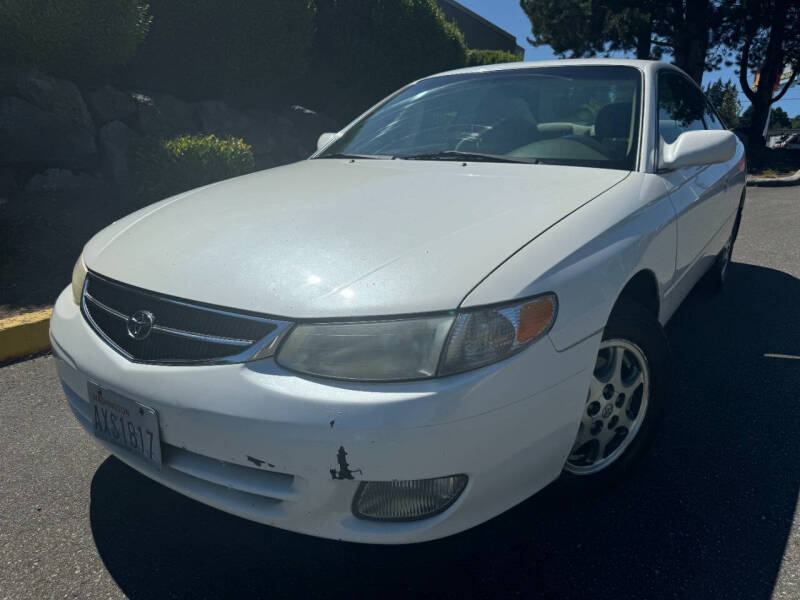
408	500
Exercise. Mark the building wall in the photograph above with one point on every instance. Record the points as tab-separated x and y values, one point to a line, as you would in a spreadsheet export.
478	32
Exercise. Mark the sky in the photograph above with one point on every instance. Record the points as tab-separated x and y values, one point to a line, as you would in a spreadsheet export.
508	15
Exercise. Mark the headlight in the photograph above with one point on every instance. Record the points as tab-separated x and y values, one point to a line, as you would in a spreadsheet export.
417	347
78	276
369	350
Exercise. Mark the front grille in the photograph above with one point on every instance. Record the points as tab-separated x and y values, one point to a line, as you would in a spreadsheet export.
174	331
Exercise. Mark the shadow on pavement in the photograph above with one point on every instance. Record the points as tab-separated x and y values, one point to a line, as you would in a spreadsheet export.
706	514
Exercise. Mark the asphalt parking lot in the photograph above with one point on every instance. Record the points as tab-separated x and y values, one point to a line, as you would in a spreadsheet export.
710	513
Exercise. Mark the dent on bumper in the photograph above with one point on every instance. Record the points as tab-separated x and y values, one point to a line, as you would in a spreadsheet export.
267	445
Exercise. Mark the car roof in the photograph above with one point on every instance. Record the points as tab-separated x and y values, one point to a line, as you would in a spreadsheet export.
647	66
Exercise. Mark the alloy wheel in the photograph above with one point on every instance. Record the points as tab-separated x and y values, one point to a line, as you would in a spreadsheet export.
615	407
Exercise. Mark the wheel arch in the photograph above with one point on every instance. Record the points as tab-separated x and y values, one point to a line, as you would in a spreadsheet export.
643	289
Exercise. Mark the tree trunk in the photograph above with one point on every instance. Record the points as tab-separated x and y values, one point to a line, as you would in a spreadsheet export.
770	71
755	133
691	41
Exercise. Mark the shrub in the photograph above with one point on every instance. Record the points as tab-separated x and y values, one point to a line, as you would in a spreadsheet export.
365	49
778	160
80	39
245	51
476	58
167	167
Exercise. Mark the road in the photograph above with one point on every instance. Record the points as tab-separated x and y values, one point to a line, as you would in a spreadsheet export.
711	512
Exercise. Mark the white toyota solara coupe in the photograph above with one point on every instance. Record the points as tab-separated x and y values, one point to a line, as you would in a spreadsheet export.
456	301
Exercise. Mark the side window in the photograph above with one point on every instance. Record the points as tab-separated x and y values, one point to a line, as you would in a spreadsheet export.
680	106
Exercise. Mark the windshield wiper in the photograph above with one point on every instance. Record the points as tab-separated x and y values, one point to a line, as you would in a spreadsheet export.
367	156
470	156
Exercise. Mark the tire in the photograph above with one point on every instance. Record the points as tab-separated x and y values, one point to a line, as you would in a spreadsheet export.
718	274
633	339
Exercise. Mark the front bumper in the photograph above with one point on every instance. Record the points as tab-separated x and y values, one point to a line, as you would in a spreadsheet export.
260	442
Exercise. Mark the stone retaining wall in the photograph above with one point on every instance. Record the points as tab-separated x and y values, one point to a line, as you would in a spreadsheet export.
55	135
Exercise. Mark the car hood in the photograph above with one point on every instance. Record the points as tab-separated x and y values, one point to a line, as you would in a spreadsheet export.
335	238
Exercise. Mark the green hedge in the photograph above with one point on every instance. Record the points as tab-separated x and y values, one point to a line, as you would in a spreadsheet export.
365	49
476	58
167	167
245	51
338	56
80	39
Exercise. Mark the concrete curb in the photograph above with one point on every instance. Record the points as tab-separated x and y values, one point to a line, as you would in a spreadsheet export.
775	181
24	334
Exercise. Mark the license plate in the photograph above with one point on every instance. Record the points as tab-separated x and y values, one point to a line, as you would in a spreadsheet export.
126	423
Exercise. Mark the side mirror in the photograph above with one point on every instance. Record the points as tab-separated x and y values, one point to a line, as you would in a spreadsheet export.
694	148
325	139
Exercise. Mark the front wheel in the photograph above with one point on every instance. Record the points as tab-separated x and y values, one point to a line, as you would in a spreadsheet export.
627	395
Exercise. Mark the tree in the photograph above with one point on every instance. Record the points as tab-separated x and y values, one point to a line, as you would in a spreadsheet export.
778	119
365	49
650	28
225	49
80	39
766	36
795	122
725	99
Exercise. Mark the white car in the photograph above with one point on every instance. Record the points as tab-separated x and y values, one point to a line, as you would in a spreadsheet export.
456	301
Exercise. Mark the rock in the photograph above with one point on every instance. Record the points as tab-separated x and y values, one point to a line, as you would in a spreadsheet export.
8	181
163	115
56	96
116	140
275	139
177	115
256	127
308	126
146	120
62	180
214	116
107	103
32	135
43	121
289	147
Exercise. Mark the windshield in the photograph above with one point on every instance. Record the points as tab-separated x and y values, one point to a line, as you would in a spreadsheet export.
569	115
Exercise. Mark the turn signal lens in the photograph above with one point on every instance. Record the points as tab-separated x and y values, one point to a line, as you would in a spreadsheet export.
535	318
407	500
78	276
483	336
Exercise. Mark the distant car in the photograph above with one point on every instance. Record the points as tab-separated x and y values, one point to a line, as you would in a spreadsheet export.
456	301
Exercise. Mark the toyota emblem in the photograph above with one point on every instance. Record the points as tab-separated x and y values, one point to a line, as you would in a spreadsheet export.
140	324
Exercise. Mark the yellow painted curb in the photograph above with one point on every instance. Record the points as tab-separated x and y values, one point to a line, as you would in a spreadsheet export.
25	334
